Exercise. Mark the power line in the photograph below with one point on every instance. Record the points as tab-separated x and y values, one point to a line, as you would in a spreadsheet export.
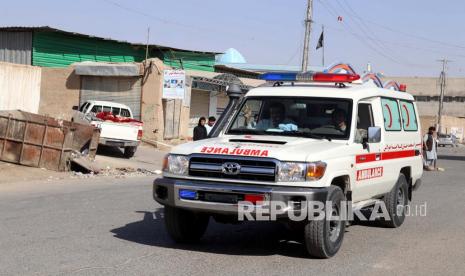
403	45
349	29
364	27
166	21
297	50
331	9
412	35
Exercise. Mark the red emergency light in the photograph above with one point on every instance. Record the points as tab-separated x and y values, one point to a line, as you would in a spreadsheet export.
403	87
310	77
332	77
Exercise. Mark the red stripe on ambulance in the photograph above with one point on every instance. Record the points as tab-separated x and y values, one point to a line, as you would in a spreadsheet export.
388	155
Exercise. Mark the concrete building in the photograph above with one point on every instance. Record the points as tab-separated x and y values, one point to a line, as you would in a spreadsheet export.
62	54
426	92
140	87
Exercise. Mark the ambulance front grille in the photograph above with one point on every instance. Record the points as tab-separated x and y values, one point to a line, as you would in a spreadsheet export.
255	169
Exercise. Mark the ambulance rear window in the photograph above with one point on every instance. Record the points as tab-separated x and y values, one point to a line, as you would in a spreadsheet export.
391	114
409	118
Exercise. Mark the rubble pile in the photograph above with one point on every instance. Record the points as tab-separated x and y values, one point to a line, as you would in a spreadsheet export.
117	173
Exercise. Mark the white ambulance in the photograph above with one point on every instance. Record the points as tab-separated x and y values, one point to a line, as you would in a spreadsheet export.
310	137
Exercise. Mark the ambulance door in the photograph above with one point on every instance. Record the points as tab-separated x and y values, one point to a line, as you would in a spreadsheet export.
368	167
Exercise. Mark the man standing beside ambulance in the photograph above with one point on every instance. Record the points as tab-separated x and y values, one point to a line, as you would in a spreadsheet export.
430	145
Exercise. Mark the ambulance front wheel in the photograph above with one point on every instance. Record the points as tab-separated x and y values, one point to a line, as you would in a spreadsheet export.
185	226
323	237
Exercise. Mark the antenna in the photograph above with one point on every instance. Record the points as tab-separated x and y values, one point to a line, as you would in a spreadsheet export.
147	44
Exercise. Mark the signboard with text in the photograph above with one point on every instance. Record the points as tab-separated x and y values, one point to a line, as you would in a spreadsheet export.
174	84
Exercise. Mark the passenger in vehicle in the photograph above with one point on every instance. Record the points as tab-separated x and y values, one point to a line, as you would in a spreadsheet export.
339	120
277	113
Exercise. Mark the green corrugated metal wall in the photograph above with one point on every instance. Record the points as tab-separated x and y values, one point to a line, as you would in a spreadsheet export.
53	49
190	60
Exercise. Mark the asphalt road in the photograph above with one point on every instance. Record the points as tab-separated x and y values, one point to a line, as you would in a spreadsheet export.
107	226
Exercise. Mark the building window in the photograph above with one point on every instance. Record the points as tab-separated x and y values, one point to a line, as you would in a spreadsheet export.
448	98
422	98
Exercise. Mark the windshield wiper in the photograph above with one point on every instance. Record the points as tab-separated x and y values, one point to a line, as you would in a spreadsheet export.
315	136
307	135
246	131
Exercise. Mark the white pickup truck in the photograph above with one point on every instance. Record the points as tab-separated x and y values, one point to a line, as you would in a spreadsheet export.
116	123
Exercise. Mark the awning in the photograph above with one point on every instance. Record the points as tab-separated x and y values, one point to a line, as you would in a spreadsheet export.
89	68
218	85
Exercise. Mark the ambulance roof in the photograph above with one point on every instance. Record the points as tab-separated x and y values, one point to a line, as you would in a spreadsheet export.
355	92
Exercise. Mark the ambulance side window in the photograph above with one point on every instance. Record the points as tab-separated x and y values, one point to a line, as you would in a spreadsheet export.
409	118
364	121
391	114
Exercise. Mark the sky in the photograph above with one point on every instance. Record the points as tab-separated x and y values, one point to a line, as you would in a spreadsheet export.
397	37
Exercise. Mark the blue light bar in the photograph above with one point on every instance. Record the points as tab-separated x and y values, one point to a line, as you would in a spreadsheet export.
279	76
187	194
310	76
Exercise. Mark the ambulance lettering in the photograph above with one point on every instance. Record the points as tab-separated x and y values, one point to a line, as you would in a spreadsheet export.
369	173
235	151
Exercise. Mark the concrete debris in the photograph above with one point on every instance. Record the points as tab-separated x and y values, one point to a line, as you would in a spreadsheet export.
116	172
85	165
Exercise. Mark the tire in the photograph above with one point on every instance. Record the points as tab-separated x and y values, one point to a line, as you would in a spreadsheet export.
396	198
129	152
323	237
185	226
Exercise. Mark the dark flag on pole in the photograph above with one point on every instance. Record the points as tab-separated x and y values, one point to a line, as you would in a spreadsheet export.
320	41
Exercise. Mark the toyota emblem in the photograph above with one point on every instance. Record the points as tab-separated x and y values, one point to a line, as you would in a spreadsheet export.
231	168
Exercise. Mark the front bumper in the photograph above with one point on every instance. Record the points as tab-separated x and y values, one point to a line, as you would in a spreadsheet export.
118	143
166	192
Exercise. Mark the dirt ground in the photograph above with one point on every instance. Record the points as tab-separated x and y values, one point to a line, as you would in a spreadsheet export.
147	161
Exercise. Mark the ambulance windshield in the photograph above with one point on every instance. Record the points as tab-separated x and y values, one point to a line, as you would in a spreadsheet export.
291	116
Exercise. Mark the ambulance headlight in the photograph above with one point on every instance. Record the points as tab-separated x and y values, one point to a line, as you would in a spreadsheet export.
299	172
176	164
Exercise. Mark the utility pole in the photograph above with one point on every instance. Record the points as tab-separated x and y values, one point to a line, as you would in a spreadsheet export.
308	28
442	89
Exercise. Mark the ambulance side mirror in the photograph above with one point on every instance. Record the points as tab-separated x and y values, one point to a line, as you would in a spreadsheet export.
374	134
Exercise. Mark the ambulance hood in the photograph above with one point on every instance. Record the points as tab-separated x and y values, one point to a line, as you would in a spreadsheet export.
279	147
